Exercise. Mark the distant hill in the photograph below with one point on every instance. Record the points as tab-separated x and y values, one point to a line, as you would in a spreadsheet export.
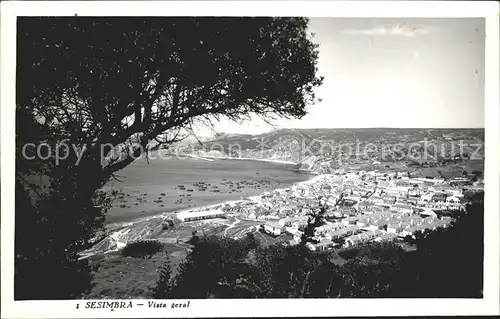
248	141
314	147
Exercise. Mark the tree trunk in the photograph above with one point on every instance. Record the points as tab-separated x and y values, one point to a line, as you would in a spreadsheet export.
304	286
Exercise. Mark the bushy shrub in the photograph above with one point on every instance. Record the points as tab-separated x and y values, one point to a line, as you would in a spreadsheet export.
163	287
143	249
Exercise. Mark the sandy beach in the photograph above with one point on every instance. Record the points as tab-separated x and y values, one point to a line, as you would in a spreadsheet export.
212	158
276	161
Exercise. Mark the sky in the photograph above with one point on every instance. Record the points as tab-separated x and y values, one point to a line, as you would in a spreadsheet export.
390	72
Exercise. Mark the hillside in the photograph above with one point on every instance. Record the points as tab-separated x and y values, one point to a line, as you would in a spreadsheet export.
362	135
322	150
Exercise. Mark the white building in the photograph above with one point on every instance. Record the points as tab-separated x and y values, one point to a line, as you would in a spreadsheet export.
410	231
272	228
376	200
427	197
394	228
187	216
386	237
363	237
405	209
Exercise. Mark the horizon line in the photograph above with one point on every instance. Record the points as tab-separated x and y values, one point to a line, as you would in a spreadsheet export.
378	127
354	128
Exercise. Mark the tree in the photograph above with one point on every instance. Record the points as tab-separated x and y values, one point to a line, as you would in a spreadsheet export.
47	265
214	265
370	269
315	220
327	280
163	288
100	92
285	272
444	255
143	249
107	82
477	174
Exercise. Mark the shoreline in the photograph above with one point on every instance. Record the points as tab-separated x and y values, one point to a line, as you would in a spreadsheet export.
159	213
199	157
276	161
208	157
211	158
121	225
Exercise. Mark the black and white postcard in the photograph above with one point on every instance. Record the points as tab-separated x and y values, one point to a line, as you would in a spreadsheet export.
248	159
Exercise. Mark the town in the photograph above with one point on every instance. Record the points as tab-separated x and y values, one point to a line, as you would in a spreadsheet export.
359	206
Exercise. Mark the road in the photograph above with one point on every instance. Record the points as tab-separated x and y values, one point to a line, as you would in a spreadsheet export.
240	227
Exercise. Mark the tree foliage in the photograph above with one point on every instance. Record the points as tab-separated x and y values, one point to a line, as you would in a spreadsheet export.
163	288
317	218
112	88
448	262
214	264
48	237
477	173
107	81
143	248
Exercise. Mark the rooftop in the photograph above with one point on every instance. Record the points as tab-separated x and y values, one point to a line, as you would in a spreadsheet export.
188	214
402	206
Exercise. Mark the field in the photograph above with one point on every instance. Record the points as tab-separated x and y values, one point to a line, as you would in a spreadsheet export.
128	277
450	170
168	185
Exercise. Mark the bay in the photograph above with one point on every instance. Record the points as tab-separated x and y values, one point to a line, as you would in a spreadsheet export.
172	184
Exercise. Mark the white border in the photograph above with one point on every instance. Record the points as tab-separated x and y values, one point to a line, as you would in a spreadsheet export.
270	307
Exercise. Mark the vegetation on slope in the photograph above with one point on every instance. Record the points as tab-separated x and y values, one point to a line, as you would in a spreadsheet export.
226	268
